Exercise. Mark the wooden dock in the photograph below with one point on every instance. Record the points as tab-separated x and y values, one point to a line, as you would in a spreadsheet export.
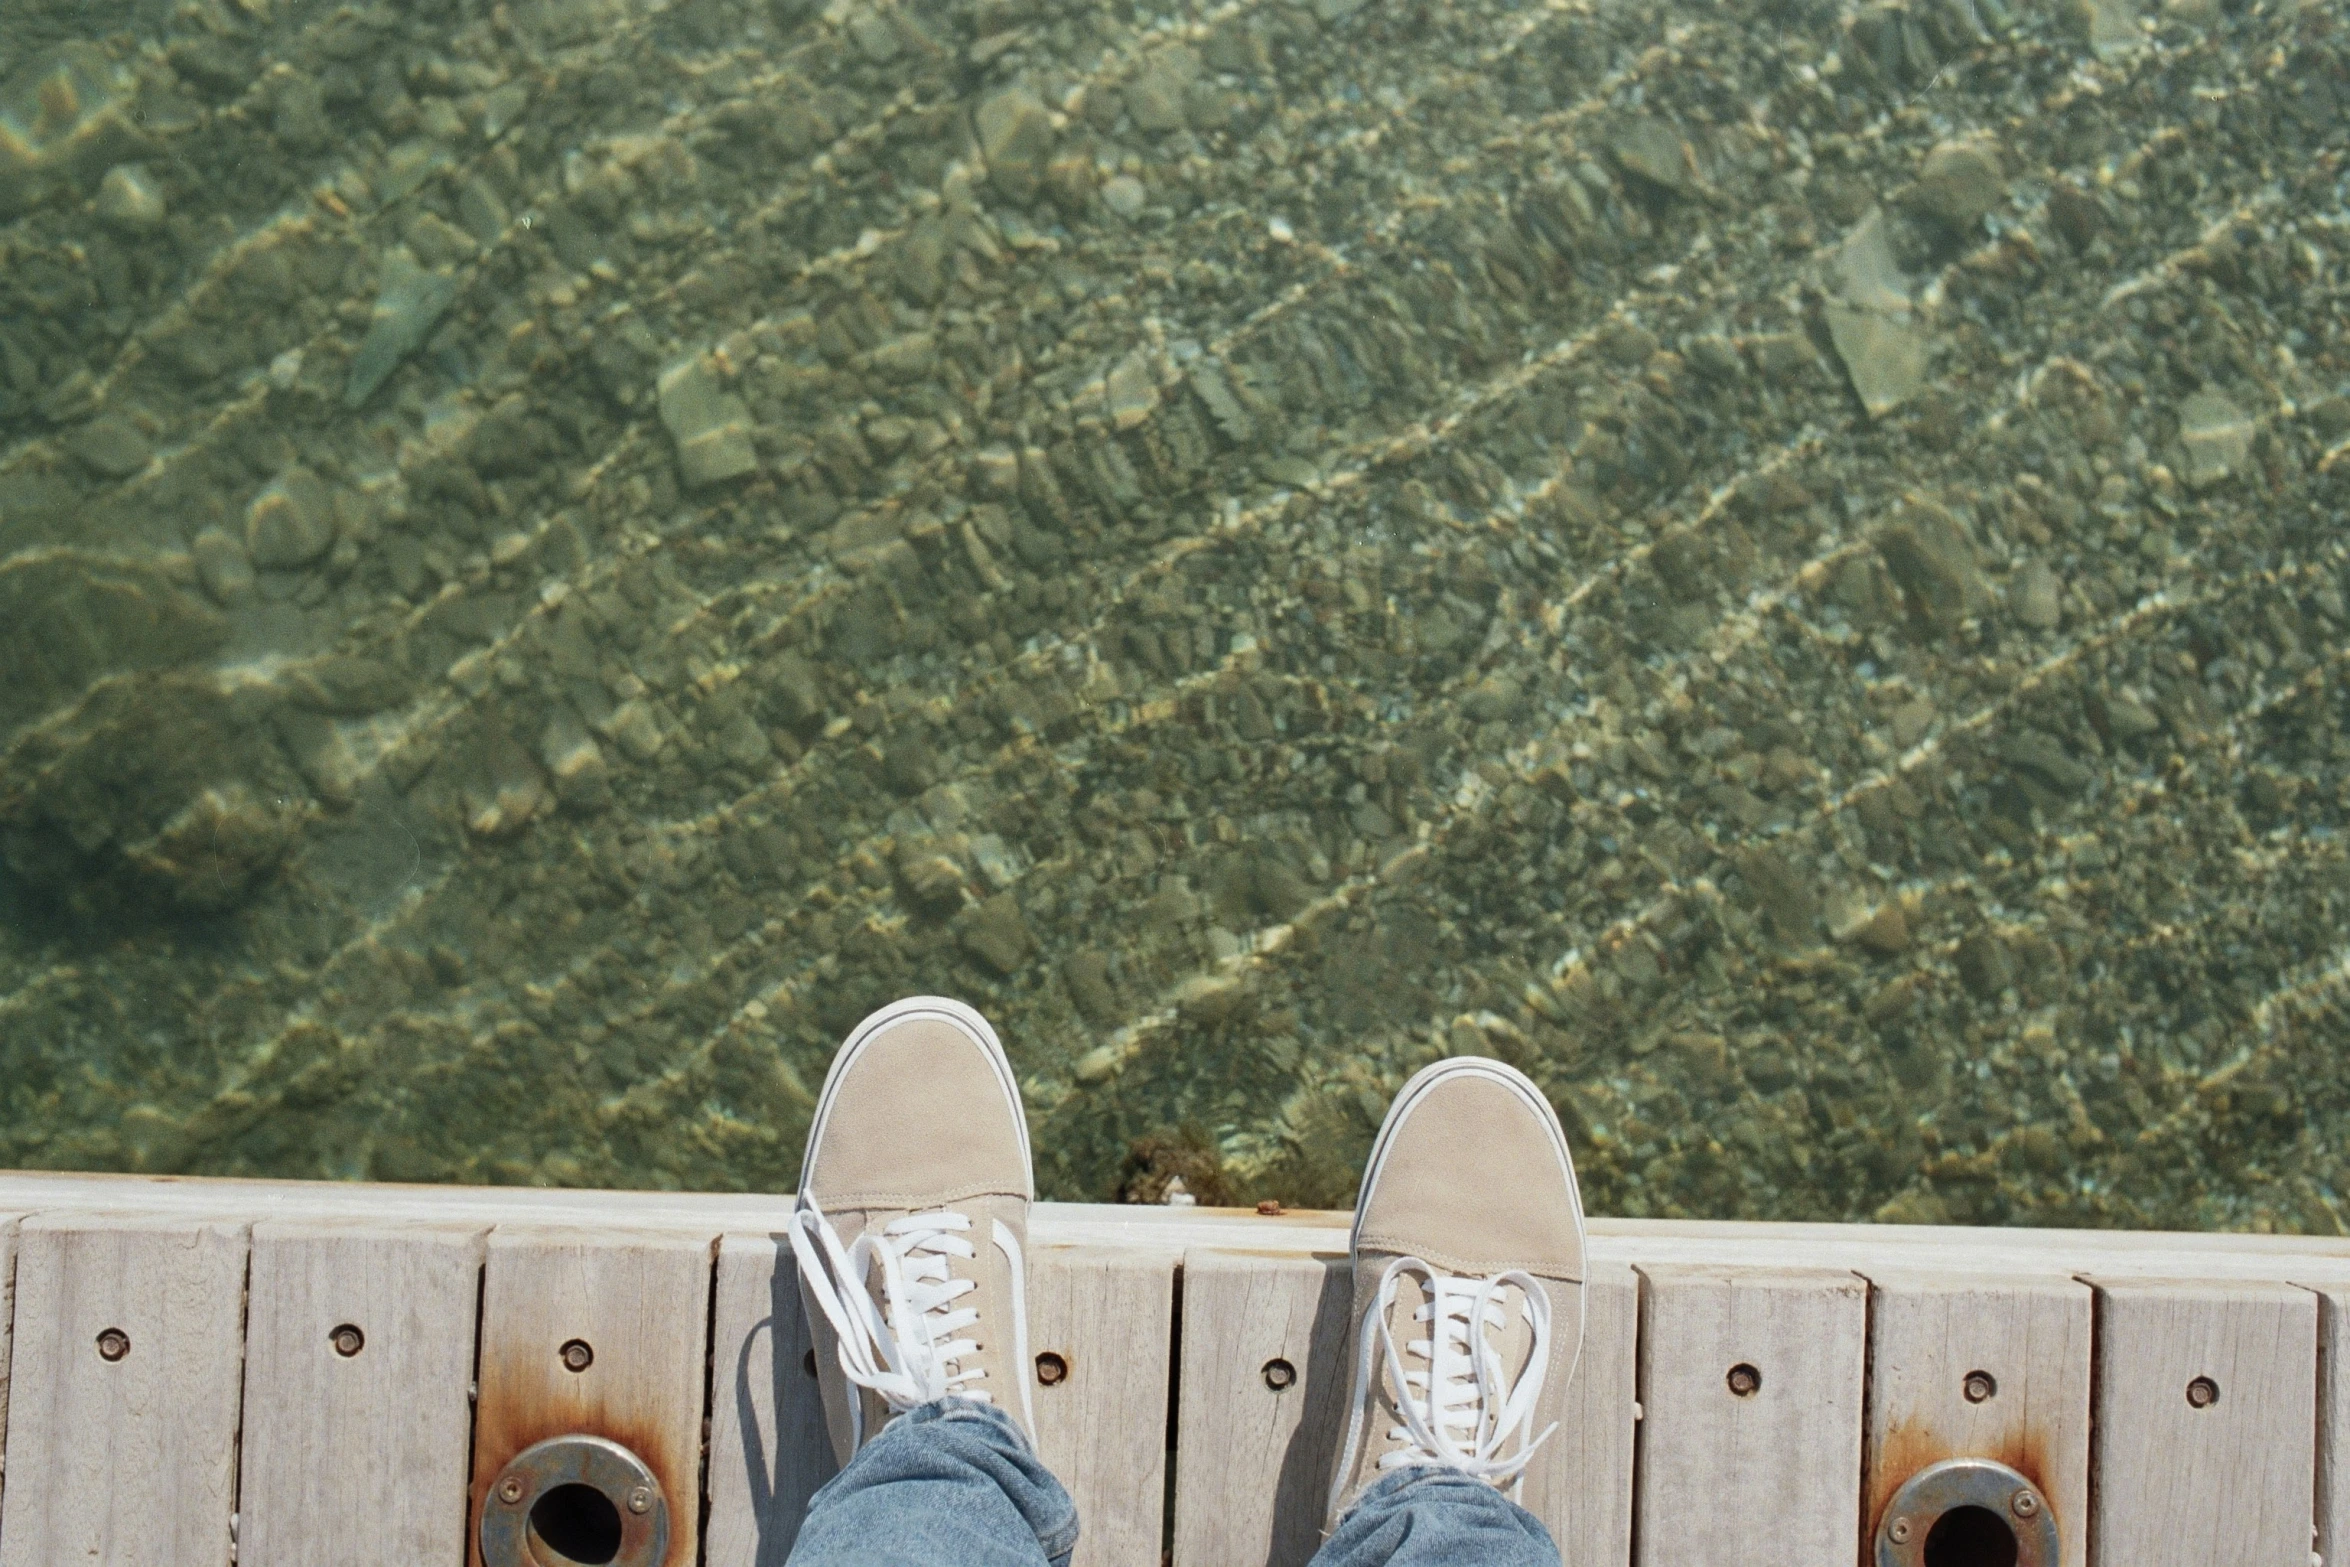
285	1374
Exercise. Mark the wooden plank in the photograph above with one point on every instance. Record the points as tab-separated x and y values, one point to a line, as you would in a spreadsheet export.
2227	1484
1580	1483
1252	1462
2333	1423
1102	1427
2028	1338
2312	1260
640	1301
768	1450
1771	1478
127	1461
357	1457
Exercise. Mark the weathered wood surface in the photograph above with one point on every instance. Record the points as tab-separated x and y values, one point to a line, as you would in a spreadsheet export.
1108	1313
2182	1482
355	1451
640	1302
1767	1475
1580	1483
768	1450
129	1459
1253	1450
2027	1341
1800	1467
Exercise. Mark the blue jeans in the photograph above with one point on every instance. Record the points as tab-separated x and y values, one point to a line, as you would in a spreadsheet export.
953	1484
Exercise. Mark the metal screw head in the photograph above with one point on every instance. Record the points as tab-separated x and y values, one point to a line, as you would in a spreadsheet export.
2202	1393
2025	1503
113	1344
577	1355
1745	1380
510	1490
1980	1387
347	1340
641	1499
1051	1368
1279	1374
1898	1531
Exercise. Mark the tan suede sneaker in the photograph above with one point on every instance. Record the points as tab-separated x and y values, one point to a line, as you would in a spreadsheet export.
919	1156
1468	1273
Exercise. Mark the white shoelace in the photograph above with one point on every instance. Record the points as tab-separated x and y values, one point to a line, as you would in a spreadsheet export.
1456	1413
907	1345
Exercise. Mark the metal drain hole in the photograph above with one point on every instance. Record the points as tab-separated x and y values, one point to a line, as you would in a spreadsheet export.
575	1501
1970	1537
1967	1512
578	1523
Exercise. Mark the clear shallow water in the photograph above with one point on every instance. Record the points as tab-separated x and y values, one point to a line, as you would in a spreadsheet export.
1780	566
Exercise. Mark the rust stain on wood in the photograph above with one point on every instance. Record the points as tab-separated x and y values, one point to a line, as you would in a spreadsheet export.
526	1399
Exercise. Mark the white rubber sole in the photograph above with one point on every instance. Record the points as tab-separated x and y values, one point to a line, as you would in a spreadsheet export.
1417	1090
945	1010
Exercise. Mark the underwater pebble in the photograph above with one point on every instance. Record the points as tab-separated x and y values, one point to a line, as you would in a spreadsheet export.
291	522
2217	436
1124	195
710	425
410	304
129	198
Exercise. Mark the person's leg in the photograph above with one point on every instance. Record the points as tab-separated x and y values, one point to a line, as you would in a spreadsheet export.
948	1484
1434	1517
1467	1323
918	1155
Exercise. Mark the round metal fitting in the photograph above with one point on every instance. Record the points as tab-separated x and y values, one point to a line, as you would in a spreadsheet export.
1965	1511
1279	1374
575	1501
113	1344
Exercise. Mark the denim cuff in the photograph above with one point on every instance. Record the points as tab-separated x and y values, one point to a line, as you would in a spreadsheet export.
1056	1531
1411	1477
1002	1425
